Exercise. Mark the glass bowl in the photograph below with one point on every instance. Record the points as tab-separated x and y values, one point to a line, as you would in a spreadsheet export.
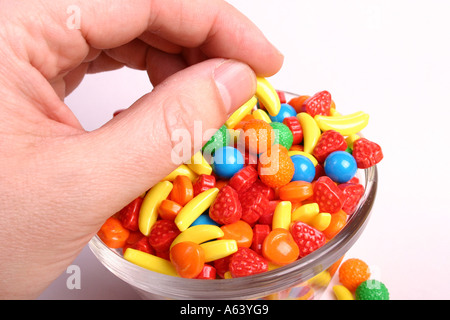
305	279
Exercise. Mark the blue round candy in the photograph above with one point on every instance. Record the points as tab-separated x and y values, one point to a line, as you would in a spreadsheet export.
286	111
304	169
227	161
204	219
340	166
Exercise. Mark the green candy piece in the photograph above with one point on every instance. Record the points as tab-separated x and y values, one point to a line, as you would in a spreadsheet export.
372	290
283	134
220	139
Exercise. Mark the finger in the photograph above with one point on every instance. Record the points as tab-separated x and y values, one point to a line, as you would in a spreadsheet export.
134	150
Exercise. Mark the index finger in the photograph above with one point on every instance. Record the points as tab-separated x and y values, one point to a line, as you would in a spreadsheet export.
214	26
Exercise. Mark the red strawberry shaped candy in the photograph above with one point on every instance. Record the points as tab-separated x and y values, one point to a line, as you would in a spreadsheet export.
226	208
254	205
366	153
308	239
243	179
320	103
246	262
162	235
352	193
327	195
330	141
203	183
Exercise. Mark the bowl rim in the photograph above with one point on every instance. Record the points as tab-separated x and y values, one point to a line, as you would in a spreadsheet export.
250	287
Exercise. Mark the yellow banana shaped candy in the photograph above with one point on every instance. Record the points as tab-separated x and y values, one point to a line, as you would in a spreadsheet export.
149	208
282	215
345	125
261	115
342	293
311	131
199	234
240	113
150	262
199	165
194	208
268	96
181	170
219	249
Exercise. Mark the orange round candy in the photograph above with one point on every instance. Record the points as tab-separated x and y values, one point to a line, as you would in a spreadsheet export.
275	167
279	247
240	231
113	234
352	273
183	190
257	136
337	223
296	191
188	259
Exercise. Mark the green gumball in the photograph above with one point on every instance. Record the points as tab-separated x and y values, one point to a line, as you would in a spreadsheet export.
283	134
372	290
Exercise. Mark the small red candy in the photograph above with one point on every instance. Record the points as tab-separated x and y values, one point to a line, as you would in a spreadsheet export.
243	179
254	205
246	262
226	208
203	183
308	239
366	153
260	232
327	195
352	194
320	103
294	125
129	215
208	272
329	142
162	235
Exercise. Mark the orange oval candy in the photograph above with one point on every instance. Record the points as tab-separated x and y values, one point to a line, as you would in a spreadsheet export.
168	209
279	247
240	231
296	191
113	234
275	167
337	223
183	190
188	259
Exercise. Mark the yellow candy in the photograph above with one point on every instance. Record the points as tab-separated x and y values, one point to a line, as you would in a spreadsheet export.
199	165
311	131
301	153
150	262
268	96
149	208
227	275
342	293
334	113
321	279
219	249
351	140
240	113
181	170
261	115
321	221
306	213
273	266
199	234
282	215
194	208
345	125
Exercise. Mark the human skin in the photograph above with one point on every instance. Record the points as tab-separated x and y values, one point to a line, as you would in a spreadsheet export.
59	183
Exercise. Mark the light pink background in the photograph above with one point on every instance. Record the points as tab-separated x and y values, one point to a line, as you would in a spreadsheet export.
388	58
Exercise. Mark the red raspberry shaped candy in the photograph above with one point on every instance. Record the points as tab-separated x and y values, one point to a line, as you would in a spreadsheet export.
320	103
308	239
254	205
352	194
246	262
243	179
226	208
330	141
327	195
162	235
259	187
203	183
366	153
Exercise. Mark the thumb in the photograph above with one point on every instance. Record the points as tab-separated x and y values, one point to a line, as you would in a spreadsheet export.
133	151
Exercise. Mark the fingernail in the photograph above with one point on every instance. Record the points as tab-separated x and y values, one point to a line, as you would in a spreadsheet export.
236	82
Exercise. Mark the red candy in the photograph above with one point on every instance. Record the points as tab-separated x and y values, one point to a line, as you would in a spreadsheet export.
320	103
260	232
244	179
327	195
226	208
203	183
307	238
254	205
366	153
246	262
129	215
352	194
162	235
330	141
294	125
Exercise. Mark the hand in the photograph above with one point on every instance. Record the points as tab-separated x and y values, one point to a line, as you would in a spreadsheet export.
59	183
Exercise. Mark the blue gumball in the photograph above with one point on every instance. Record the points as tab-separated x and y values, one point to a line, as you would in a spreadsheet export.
304	169
340	166
204	219
227	161
286	111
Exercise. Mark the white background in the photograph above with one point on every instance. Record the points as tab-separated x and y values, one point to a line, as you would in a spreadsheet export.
387	58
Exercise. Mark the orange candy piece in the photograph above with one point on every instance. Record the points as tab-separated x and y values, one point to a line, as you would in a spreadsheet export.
296	191
113	234
279	247
240	231
297	103
337	223
257	136
275	167
188	259
168	209
352	273
183	190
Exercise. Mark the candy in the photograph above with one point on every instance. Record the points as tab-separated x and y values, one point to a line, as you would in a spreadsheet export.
199	234
129	215
227	161
150	262
306	213
279	247
182	170
352	273
342	293
268	96
148	213
318	104
311	131
188	258
203	183
275	167
345	125
194	208
246	262
243	179
337	223
366	153
208	273
282	215
352	194
113	234
240	113
204	219
296	129
261	115
199	165
328	195
286	111
329	141
296	191
182	191
340	166
162	235
297	103
305	154
260	232
219	249
220	139
304	169
307	238
257	136
226	208
372	290
254	205
283	134
168	209
239	231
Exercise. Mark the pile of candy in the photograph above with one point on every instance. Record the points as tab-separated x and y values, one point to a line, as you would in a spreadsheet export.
354	277
274	184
